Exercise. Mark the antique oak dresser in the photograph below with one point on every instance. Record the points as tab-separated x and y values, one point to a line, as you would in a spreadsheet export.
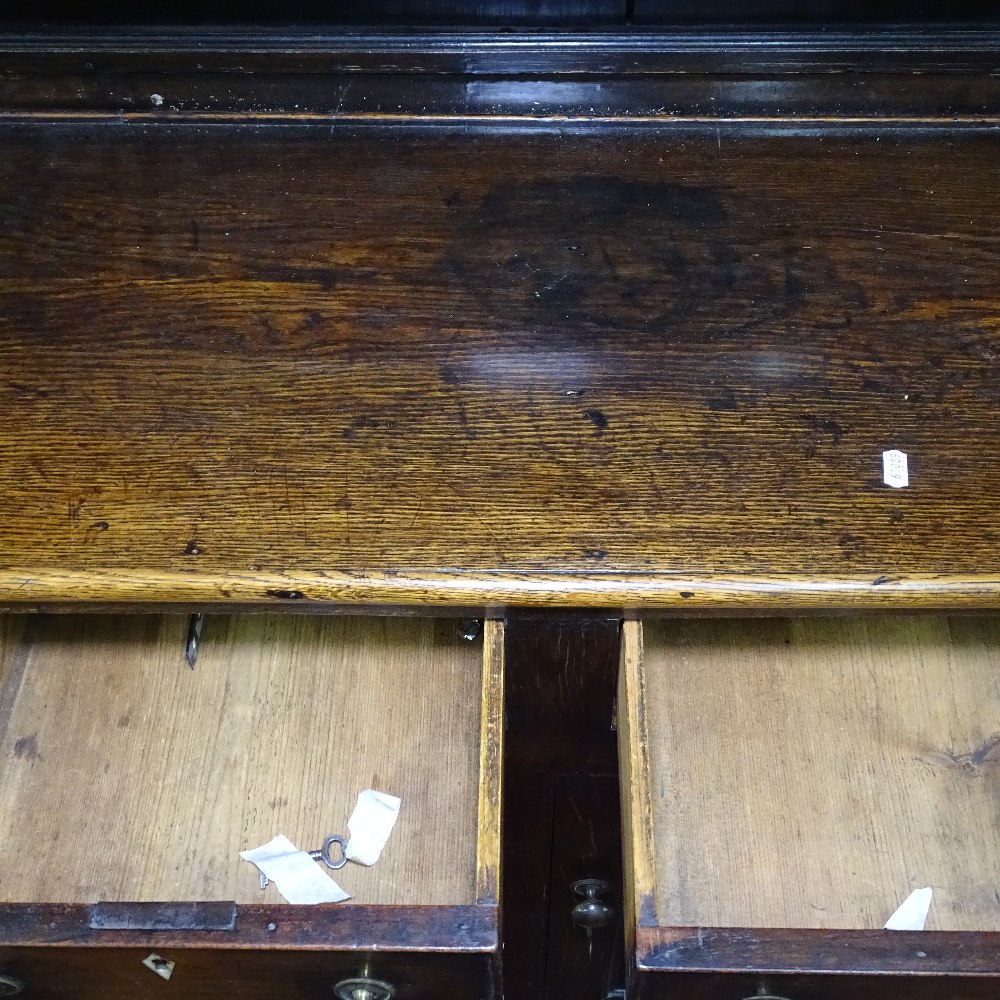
580	420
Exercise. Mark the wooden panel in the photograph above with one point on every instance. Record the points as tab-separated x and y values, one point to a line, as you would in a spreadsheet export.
813	952
587	836
810	773
565	673
559	709
115	973
489	816
638	848
612	368
128	776
708	986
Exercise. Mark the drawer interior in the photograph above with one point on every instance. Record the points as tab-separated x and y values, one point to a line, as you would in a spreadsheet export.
811	773
128	776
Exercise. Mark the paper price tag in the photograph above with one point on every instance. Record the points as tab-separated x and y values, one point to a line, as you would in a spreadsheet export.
370	825
298	877
895	471
912	912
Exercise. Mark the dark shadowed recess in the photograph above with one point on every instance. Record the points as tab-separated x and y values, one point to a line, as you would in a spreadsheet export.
521	13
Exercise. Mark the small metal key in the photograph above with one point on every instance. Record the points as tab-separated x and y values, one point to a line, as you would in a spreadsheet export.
323	854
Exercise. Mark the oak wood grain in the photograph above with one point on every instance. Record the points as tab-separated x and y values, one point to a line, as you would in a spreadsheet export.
810	773
128	776
638	830
630	369
489	822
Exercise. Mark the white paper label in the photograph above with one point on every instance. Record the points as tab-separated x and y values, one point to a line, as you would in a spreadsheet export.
370	825
912	912
161	966
298	878
894	469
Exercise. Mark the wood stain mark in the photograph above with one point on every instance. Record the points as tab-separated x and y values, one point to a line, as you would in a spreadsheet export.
985	753
971	761
823	425
725	401
26	748
326	277
29	390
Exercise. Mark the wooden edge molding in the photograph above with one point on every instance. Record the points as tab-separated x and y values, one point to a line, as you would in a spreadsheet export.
640	871
491	734
327	927
51	589
609	50
930	74
809	951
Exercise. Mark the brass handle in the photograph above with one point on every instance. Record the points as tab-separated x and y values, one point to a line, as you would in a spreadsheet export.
363	988
591	912
763	993
10	986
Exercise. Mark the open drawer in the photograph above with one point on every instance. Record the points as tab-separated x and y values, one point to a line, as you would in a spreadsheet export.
131	782
786	785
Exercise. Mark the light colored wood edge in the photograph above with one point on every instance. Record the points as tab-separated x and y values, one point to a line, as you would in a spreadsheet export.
636	789
23	588
12	667
491	734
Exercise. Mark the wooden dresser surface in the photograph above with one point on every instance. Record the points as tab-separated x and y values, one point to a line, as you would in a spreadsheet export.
469	367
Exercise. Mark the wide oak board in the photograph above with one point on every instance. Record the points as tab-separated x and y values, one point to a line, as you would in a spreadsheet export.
639	368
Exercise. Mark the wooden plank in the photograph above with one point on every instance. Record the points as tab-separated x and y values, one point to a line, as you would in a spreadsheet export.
565	676
638	832
624	369
491	743
129	777
116	972
12	663
358	927
900	957
810	773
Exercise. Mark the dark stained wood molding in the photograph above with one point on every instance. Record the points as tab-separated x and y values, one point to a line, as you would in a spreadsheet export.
843	952
565	679
335	927
207	75
610	53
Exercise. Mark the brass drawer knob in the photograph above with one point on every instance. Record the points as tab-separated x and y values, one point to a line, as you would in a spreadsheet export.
591	912
10	986
363	988
763	993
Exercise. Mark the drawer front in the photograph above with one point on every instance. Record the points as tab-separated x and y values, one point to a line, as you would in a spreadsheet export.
119	974
131	781
708	986
788	783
